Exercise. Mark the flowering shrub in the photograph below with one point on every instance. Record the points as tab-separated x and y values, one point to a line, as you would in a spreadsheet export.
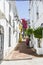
24	23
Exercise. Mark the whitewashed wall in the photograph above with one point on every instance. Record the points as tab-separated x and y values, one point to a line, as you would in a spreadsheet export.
36	22
6	25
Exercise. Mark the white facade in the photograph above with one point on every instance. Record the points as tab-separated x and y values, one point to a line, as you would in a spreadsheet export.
36	20
9	22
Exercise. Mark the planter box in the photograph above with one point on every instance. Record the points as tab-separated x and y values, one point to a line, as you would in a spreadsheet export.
30	44
39	51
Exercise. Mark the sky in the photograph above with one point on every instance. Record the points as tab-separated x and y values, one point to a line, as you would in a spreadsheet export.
22	8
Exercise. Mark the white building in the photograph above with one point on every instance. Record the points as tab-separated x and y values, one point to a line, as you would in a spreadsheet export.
9	22
36	20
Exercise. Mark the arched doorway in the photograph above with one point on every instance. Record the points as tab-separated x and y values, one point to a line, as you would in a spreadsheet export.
1	41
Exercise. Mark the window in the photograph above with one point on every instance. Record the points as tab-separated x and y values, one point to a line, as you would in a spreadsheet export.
42	25
32	3
37	13
9	7
0	31
13	27
9	13
29	22
29	26
13	24
9	36
9	19
32	21
40	0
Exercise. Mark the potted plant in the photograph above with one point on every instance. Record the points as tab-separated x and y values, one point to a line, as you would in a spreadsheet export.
29	32
38	34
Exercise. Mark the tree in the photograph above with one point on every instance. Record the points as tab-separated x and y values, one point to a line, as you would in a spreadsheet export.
38	34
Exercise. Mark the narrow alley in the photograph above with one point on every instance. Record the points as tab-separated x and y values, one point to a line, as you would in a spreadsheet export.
21	52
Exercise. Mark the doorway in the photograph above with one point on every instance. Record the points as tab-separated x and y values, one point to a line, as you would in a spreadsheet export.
1	41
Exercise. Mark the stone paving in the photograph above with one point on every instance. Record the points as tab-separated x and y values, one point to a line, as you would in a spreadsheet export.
21	52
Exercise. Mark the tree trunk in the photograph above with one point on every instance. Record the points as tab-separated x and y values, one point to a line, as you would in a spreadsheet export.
39	43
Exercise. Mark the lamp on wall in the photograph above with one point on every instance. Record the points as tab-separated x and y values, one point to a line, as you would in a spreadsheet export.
42	25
